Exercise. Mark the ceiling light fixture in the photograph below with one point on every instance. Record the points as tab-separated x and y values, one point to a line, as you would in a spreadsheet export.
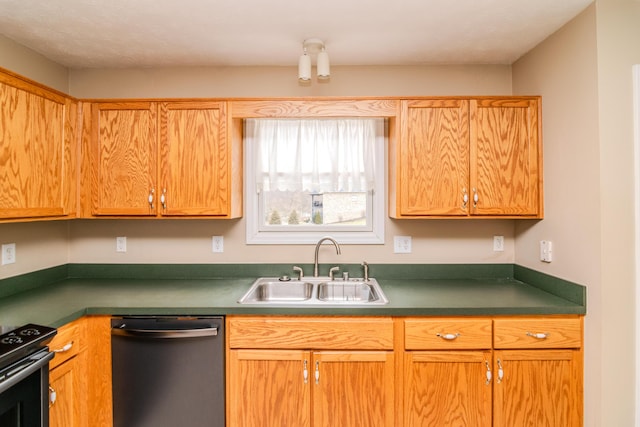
323	70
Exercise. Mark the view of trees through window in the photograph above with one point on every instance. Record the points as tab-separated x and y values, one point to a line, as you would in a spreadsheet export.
294	208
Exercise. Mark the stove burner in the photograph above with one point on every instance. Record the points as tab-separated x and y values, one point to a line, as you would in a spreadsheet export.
12	340
23	341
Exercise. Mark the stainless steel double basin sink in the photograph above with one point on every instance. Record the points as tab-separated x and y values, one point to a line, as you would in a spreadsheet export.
314	291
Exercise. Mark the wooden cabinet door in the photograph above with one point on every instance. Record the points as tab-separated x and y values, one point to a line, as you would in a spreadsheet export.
64	411
353	388
538	388
267	388
123	158
195	158
505	157
36	171
447	388
434	157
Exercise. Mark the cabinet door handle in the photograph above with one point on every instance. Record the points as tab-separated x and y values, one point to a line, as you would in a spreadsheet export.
53	396
475	198
488	373
64	348
448	337
538	335
317	373
500	372
163	198
465	199
305	372
151	198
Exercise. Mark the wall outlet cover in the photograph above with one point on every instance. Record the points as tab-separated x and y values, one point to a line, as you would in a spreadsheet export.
217	244
402	244
121	244
8	253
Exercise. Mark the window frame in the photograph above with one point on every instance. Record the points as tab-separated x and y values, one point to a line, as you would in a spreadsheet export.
372	235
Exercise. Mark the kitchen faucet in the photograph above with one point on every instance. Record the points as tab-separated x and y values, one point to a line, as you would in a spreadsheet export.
315	260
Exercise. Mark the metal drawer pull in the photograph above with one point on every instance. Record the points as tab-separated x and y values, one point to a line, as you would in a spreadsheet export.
317	372
538	335
305	373
64	349
448	337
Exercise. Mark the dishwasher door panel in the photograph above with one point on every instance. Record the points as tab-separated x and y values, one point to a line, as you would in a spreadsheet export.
168	380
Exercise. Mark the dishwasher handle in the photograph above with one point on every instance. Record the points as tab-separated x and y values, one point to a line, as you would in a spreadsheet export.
165	333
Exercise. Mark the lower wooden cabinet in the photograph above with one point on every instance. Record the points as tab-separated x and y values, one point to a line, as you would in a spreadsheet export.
538	387
310	385
66	408
422	371
447	388
539	365
64	397
80	374
500	372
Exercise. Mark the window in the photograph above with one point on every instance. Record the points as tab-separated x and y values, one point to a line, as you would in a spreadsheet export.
306	178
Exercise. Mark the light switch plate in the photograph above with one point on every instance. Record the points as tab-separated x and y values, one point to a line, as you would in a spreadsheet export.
498	243
546	251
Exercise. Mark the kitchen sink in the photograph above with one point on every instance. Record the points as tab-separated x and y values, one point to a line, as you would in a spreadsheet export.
280	291
349	291
314	291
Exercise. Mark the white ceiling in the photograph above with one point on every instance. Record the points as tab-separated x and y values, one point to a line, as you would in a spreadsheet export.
157	33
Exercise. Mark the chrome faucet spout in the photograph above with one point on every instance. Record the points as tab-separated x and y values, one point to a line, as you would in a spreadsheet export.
315	259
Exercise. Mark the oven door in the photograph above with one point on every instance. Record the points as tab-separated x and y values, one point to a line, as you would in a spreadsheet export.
24	391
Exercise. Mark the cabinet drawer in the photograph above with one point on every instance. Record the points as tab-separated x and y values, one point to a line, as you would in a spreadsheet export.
447	334
65	344
537	333
330	333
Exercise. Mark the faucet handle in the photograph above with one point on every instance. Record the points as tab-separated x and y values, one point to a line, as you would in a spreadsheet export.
332	271
299	271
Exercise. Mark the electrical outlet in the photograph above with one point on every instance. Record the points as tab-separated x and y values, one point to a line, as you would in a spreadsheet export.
121	244
8	253
402	244
217	244
498	243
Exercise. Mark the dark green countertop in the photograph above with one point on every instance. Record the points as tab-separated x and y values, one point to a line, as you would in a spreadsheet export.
104	292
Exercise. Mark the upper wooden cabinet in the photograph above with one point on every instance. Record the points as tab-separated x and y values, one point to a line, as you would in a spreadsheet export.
123	158
459	157
161	159
37	151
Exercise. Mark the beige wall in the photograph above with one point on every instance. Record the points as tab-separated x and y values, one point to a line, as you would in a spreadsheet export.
563	69
27	63
282	81
584	75
39	245
618	30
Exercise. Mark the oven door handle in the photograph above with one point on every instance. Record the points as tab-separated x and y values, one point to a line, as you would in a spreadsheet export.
37	364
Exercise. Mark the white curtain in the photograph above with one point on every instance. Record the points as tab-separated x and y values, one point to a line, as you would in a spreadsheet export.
315	155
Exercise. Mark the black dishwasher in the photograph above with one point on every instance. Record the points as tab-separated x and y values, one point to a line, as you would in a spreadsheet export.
168	371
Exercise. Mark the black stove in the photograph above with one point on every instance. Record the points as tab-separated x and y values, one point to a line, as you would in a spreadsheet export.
22	341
